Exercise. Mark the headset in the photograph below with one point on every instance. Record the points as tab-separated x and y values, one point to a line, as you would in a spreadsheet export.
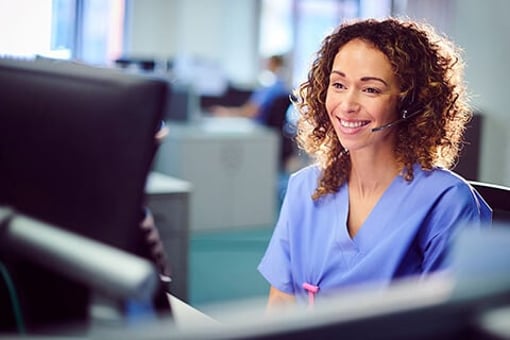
407	112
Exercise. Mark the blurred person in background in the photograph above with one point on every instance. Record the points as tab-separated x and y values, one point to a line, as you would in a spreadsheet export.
258	105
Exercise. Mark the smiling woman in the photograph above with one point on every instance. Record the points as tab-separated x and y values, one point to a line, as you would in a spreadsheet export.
383	112
363	90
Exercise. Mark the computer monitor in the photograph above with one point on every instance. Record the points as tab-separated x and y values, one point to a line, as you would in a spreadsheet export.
76	145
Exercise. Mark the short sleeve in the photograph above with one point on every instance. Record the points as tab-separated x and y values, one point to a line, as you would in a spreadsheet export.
458	208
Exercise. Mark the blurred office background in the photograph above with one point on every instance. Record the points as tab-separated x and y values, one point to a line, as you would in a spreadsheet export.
211	47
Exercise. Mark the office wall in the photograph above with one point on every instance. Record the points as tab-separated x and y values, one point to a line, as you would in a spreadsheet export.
482	28
152	28
222	31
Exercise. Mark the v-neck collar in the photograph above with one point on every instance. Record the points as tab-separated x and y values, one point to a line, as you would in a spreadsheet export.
374	225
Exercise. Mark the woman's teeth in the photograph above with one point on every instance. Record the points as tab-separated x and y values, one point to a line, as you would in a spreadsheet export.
353	124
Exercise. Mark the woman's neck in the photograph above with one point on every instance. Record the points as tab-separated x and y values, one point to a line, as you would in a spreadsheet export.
372	172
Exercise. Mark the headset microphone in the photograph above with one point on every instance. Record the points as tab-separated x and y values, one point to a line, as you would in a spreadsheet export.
405	117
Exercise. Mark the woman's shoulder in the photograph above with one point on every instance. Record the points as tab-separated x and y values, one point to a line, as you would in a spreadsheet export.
440	180
441	176
452	193
306	174
305	178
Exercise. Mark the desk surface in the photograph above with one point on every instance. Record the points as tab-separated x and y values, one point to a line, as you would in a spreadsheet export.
185	316
158	183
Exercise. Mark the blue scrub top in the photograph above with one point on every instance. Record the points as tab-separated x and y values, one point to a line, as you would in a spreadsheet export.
406	234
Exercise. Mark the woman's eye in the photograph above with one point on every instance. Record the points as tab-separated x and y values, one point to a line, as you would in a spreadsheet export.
372	90
337	85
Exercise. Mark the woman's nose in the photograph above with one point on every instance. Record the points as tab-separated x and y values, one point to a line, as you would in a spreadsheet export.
349	102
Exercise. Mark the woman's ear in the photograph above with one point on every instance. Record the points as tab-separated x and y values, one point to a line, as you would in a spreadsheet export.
407	103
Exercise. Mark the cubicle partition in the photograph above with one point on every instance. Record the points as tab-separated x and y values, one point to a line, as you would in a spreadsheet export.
232	165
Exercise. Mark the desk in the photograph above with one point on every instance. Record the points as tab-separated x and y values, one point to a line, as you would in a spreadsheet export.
168	200
231	163
186	317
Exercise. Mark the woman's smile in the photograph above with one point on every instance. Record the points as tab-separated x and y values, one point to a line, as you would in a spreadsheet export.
353	124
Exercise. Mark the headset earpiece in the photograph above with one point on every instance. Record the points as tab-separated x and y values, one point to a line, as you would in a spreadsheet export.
407	108
407	103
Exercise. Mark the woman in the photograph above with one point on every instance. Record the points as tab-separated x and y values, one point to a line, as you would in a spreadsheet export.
383	112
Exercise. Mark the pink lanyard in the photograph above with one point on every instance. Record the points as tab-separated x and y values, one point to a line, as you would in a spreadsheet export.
312	290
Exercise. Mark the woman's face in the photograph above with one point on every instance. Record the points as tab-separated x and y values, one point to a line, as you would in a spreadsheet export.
362	95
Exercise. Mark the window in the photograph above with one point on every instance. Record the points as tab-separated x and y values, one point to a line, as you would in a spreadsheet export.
275	27
25	27
313	21
101	31
87	30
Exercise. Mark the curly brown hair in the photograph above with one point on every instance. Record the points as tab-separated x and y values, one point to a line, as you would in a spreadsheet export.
429	69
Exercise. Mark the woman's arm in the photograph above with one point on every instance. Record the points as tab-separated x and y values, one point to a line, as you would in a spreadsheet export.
278	298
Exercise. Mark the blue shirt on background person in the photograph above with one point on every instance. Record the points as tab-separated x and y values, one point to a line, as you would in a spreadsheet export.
273	85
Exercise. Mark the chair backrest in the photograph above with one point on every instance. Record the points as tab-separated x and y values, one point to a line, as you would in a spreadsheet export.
498	198
276	119
277	111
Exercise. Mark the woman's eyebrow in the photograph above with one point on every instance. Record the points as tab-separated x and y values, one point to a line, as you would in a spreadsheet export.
340	73
364	79
374	78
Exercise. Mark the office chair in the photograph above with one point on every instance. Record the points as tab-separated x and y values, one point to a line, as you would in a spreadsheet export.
276	119
498	198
